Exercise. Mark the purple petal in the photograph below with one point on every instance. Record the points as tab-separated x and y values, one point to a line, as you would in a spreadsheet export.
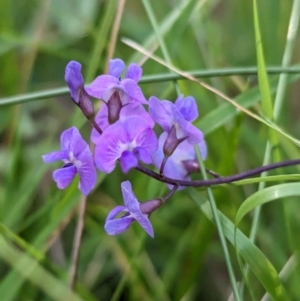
139	131
102	120
128	160
110	146
72	141
74	79
116	67
114	212
103	87
137	109
174	167
117	226
145	223
134	126
187	129
133	207
161	112
64	176
139	134
187	107
54	156
128	110
120	137
143	155
134	72
147	140
128	196
87	172
203	149
132	92
195	135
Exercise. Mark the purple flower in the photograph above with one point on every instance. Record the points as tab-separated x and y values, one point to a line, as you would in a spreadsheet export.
74	79
181	114
129	140
129	110
129	91
132	210
175	167
77	158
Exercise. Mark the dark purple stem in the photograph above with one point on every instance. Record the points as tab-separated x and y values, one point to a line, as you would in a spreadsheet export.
162	167
175	187
96	126
217	181
204	183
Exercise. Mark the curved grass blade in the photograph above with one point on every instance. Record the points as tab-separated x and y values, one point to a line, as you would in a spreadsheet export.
257	261
266	195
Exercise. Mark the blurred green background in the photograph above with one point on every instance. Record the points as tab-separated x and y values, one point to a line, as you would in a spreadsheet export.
184	261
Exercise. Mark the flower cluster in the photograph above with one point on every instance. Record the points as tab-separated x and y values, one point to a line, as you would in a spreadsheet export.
123	133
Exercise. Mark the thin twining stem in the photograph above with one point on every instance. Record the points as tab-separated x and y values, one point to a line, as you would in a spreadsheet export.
162	167
174	189
205	183
217	181
96	126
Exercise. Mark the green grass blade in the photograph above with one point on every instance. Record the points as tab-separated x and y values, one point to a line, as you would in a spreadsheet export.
266	195
279	178
185	7
280	91
257	261
287	57
161	77
225	112
266	99
30	270
214	210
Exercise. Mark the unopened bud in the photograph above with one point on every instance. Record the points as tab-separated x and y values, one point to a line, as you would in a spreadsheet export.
191	166
74	79
114	106
172	142
149	206
85	104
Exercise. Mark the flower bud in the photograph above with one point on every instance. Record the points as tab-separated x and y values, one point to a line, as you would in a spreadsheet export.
191	166
114	106
85	104
172	142
149	206
74	79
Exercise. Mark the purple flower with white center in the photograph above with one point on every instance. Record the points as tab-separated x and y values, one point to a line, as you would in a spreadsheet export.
129	141
181	114
74	79
175	167
105	85
133	211
77	158
132	109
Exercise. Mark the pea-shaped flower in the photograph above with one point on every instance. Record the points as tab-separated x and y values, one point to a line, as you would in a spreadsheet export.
129	141
133	211
179	114
105	85
77	158
175	167
131	109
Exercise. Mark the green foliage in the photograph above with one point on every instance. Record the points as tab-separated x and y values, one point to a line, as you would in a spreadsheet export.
185	260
